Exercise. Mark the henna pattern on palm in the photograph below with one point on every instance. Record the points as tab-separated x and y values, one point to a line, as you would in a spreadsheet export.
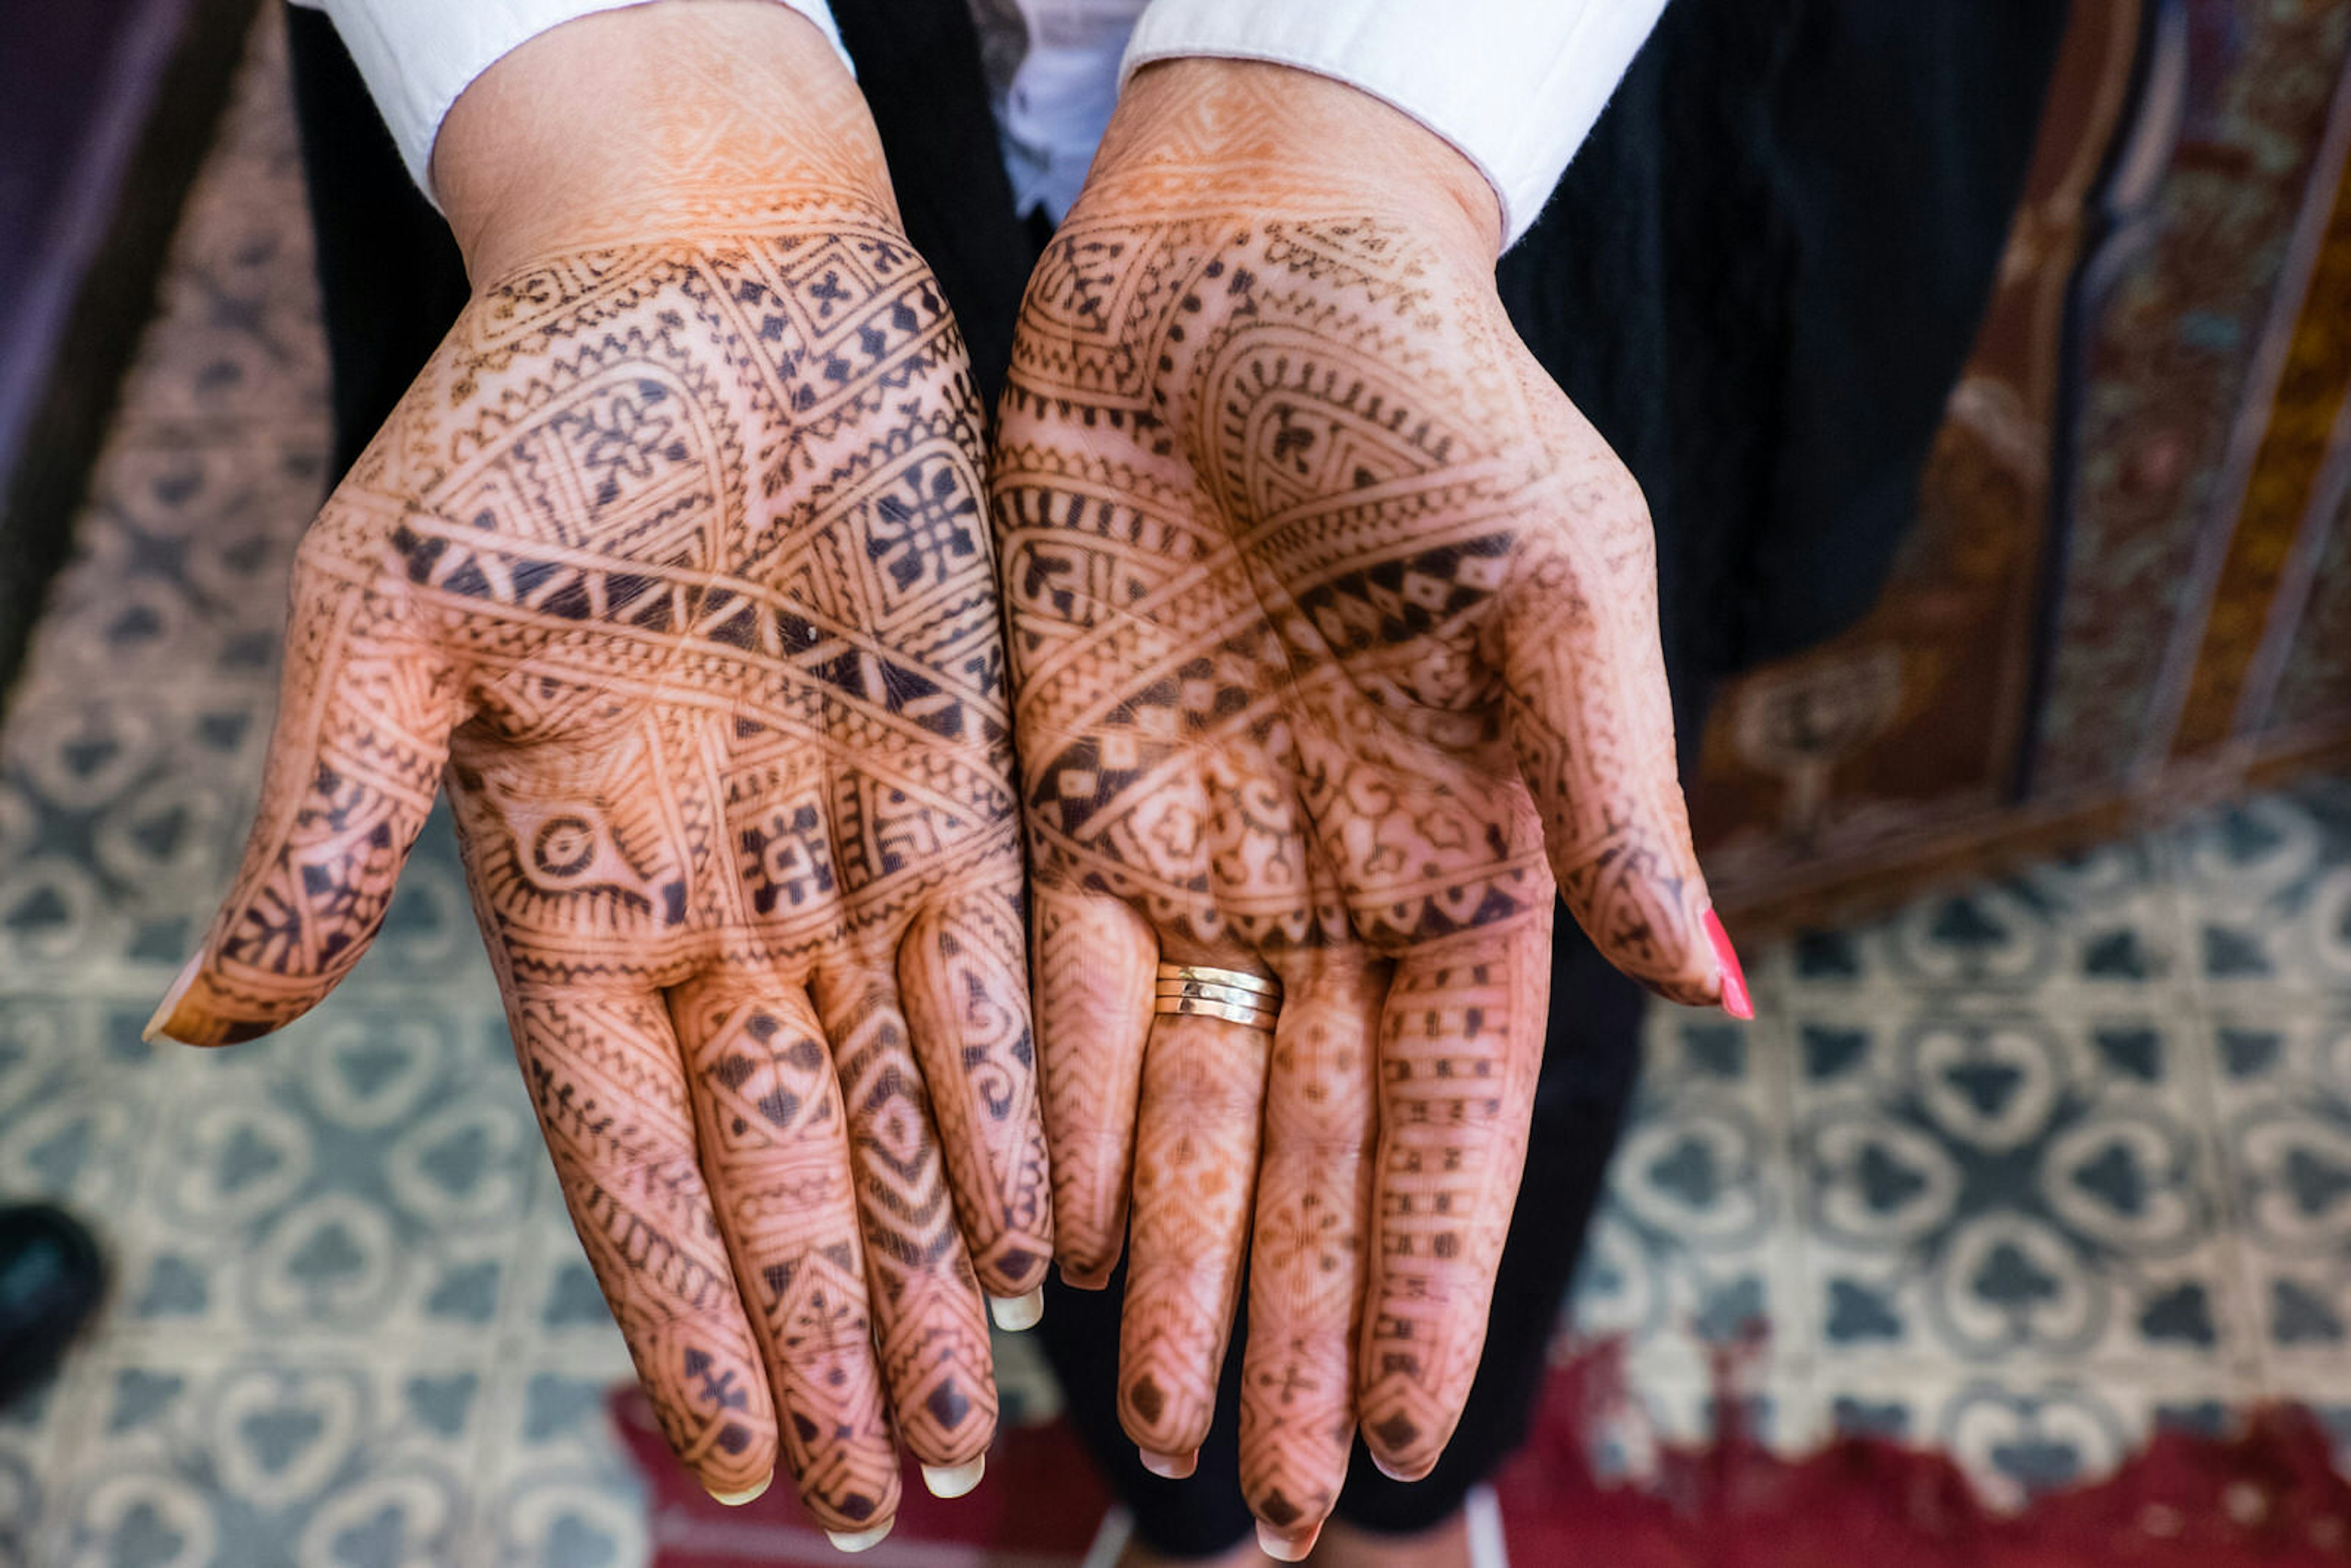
1333	644
676	557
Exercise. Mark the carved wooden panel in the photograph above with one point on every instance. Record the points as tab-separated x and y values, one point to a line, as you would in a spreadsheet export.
2130	582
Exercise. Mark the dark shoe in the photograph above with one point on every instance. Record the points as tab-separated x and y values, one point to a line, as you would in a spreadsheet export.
51	1280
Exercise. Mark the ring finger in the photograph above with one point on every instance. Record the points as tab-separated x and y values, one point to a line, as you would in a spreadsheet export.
1195	1182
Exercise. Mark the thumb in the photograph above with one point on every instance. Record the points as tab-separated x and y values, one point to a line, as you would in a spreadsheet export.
1591	725
363	719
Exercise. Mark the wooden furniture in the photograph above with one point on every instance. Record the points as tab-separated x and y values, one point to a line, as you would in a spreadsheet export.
2129	590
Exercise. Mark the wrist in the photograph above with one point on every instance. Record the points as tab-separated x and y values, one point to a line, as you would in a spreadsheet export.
1216	132
666	119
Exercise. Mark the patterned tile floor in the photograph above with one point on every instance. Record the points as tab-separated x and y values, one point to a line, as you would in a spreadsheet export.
2019	1172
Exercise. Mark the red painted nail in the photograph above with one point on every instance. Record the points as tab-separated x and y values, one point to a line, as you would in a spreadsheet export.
1735	1000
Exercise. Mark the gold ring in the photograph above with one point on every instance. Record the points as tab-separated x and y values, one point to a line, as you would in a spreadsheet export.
1231	996
1201	990
1240	979
1196	1006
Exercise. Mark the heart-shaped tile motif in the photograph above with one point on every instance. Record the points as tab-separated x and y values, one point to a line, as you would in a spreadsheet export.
1987	933
282	1435
2009	1282
238	1158
463	1164
332	1260
372	1070
1878	1180
2017	1445
1991	1085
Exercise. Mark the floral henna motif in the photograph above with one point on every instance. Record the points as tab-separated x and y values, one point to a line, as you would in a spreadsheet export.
676	555
1334	648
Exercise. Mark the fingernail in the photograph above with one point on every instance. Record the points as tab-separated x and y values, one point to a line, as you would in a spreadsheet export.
171	1003
954	1480
1285	1548
1014	1314
859	1540
1735	1000
1170	1467
737	1498
1085	1279
1394	1474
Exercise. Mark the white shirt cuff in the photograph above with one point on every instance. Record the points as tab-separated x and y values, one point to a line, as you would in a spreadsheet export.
1515	84
417	56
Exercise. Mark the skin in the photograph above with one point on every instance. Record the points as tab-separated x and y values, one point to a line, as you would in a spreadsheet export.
674	567
1334	658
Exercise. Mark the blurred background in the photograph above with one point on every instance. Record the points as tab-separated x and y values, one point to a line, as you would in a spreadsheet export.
2040	1145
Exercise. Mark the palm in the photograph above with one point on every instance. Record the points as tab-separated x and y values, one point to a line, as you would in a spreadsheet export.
1332	637
677	553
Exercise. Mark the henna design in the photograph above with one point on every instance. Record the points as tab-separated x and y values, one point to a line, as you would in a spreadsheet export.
676	553
1332	637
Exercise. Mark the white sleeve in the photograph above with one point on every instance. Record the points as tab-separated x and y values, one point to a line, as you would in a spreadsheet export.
1514	84
417	56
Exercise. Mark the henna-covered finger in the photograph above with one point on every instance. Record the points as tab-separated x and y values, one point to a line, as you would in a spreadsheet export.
364	713
1460	1040
961	974
774	1138
1592	724
607	1079
1095	962
1195	1179
929	1326
1309	1245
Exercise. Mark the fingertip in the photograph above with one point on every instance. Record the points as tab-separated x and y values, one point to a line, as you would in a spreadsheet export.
1018	1314
1086	1277
1286	1548
954	1481
1400	1470
1170	1467
1736	1002
159	1027
748	1495
854	1540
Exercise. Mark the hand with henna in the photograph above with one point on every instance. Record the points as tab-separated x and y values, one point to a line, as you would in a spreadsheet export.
1335	661
674	565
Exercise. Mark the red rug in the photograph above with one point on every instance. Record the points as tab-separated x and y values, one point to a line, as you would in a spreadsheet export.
2269	1495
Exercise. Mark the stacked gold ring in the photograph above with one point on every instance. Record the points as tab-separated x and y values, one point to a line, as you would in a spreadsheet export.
1202	991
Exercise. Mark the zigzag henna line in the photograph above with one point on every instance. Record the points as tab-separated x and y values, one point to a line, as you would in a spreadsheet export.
1310	1242
929	1326
1277	492
605	1080
1095	964
773	1133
